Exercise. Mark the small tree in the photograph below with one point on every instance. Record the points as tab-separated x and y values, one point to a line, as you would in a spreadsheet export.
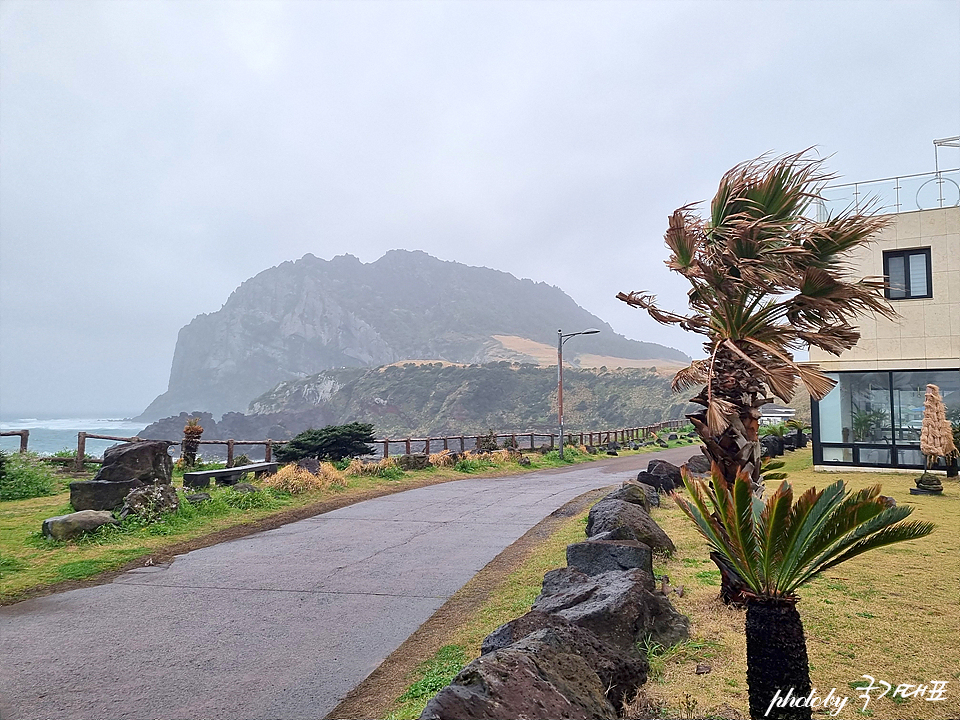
775	547
333	442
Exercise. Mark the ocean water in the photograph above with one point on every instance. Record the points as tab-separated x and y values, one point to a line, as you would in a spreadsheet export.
48	436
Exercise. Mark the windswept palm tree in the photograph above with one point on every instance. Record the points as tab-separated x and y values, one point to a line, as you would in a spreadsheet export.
766	280
775	547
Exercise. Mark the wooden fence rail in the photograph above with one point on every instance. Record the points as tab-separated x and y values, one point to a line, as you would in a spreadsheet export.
24	437
459	443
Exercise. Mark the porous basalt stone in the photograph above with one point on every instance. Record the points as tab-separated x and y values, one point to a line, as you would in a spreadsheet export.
609	514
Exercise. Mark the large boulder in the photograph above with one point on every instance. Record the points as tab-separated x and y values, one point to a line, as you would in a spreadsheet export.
653	495
661	468
621	607
620	673
150	502
698	465
795	439
542	676
67	527
101	495
416	461
518	628
146	461
595	557
772	446
660	483
610	514
631	493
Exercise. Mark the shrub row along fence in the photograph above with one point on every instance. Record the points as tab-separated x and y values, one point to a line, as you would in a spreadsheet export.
386	446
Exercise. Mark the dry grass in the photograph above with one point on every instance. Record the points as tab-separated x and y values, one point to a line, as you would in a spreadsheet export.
891	613
444	458
331	476
295	480
359	468
545	355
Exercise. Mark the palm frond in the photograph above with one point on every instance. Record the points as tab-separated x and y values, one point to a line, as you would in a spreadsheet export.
777	545
718	415
696	373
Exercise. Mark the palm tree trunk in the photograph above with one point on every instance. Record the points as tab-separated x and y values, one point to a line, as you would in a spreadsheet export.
776	659
737	449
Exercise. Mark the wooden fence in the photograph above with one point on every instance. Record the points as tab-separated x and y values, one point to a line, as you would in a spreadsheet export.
459	443
24	437
525	440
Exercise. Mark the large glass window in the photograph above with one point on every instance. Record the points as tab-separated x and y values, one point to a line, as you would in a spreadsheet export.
874	418
857	410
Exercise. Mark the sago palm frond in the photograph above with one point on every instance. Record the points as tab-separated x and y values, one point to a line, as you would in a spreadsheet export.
777	545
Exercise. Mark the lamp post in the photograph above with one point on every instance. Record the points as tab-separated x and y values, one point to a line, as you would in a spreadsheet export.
561	339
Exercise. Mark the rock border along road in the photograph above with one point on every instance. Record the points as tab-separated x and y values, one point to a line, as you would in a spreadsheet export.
278	624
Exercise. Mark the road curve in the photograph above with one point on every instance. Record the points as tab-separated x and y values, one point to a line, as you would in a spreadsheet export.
279	624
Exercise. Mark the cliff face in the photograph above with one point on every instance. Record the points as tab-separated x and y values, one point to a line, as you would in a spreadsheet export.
415	400
303	317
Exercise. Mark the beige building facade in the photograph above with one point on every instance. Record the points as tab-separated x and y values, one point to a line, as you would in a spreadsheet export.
872	418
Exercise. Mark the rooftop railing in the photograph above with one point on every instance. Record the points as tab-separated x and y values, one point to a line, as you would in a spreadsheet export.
903	193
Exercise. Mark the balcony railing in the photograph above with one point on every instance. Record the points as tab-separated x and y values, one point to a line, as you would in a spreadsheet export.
904	193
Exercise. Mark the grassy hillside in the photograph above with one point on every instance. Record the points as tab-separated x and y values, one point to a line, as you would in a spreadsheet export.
439	398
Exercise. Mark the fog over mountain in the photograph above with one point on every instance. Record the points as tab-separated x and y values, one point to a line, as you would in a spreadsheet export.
155	154
302	317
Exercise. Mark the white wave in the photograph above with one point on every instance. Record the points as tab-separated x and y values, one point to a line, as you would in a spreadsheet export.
95	425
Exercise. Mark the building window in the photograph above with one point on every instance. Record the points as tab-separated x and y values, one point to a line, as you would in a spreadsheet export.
874	418
908	274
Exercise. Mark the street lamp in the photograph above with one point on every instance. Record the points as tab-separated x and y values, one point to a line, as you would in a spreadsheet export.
561	339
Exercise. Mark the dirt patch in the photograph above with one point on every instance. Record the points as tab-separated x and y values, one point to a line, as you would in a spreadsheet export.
373	697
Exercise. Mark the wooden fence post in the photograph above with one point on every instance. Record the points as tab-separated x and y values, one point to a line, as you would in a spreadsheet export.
24	439
408	446
445	445
81	451
531	442
386	449
230	452
552	446
462	447
268	451
426	447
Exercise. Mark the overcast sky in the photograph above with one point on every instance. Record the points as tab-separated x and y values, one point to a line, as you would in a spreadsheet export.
153	155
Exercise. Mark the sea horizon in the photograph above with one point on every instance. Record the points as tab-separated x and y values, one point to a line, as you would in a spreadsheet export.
49	435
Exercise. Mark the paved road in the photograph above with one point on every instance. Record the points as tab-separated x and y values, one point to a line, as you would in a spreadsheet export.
281	624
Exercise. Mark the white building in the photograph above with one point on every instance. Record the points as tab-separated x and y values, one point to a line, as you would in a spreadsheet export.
873	417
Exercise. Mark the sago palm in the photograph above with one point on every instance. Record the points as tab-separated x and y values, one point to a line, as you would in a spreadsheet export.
766	280
775	547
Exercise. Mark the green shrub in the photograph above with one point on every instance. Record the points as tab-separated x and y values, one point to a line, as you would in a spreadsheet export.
488	442
25	475
390	473
333	442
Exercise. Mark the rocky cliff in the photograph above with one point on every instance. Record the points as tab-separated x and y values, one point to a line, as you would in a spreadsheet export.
303	317
418	399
